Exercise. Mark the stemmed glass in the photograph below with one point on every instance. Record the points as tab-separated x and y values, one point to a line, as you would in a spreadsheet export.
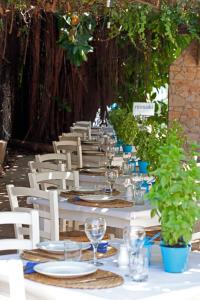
110	153
111	176
95	229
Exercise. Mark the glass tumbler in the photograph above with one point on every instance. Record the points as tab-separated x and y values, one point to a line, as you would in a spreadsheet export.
72	251
138	265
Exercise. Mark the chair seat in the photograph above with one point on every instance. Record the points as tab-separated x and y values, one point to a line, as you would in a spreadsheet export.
151	231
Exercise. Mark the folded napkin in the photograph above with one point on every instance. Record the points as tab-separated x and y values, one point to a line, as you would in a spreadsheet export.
102	247
29	267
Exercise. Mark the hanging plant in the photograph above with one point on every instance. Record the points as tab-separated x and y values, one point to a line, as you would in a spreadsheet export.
76	35
153	38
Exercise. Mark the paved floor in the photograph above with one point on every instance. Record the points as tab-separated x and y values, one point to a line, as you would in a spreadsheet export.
15	173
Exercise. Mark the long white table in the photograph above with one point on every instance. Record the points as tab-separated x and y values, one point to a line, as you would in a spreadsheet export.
115	217
160	285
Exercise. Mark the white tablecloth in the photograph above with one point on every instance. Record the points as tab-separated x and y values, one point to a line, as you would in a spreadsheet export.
116	217
160	285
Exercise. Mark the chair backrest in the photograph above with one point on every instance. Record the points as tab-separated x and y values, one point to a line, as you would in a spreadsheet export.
50	216
45	166
63	180
70	137
69	147
12	278
30	218
56	158
85	130
83	123
74	134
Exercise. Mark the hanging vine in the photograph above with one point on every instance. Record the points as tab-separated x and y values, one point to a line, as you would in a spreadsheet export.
75	36
153	39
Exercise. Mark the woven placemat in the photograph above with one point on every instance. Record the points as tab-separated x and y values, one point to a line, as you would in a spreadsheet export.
116	203
38	255
78	236
99	280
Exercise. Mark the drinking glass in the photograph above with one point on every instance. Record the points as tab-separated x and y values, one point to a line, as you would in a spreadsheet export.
138	195
139	265
72	251
134	237
110	153
95	229
111	176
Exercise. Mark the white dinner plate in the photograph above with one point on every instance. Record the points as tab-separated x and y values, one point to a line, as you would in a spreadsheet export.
97	198
58	246
61	269
86	190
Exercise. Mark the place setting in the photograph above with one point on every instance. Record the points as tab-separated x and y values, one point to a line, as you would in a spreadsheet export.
62	263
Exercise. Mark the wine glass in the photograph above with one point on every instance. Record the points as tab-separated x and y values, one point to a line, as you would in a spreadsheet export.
110	153
95	229
111	176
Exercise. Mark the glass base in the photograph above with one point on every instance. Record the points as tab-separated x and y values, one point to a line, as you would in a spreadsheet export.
96	263
139	277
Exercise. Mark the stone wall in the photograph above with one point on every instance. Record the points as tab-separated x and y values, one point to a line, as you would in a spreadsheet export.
184	91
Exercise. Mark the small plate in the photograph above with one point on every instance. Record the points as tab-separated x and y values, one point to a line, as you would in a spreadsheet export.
97	198
58	246
62	269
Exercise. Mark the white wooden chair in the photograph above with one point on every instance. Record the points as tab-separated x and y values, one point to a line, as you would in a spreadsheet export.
18	218
62	180
12	280
73	134
85	130
69	148
83	123
55	158
49	220
45	166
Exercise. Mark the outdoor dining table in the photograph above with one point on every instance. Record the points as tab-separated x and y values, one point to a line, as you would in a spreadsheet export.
139	215
159	286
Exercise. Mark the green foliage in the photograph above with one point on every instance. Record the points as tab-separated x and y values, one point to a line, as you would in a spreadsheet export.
116	117
176	193
151	135
75	35
124	124
128	129
153	41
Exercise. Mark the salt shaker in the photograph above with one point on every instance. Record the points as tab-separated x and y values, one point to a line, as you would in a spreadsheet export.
123	257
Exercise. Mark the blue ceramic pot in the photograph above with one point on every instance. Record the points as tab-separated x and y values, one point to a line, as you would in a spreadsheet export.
175	259
143	166
119	143
127	148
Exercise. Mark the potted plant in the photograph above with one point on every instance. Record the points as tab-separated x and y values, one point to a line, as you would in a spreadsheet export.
127	132
174	198
116	117
125	126
151	135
